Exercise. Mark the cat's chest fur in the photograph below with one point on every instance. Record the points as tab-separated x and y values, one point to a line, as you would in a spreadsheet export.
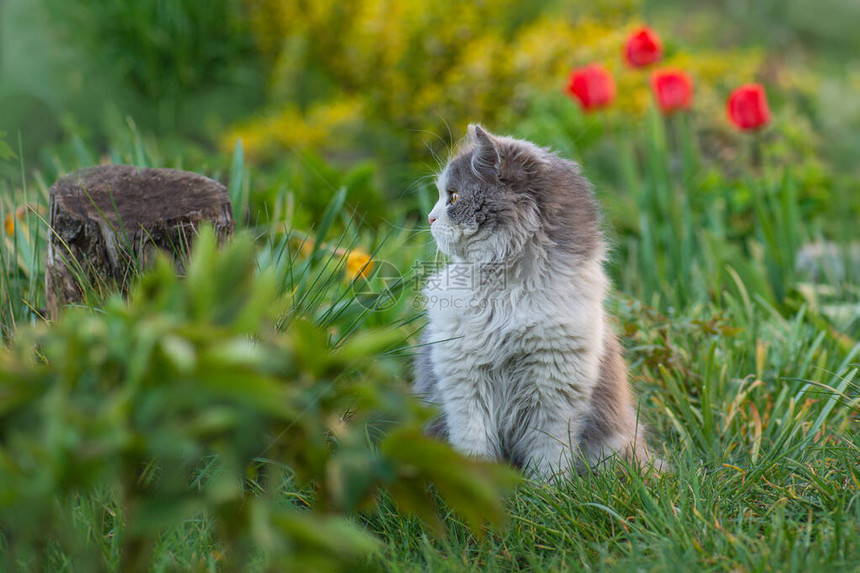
491	331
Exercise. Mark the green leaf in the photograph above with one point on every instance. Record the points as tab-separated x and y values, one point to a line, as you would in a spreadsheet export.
6	152
328	217
475	489
237	187
334	537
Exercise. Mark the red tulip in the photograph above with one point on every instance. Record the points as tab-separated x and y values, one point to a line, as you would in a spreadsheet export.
593	86
643	48
747	107
673	89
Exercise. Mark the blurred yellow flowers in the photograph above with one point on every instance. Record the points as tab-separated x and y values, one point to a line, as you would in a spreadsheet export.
9	220
358	264
432	67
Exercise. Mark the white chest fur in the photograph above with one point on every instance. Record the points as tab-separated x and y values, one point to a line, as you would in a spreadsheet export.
516	362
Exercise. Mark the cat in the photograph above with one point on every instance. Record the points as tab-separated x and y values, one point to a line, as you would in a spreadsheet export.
519	357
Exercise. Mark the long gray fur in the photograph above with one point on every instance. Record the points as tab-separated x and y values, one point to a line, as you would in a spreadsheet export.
529	371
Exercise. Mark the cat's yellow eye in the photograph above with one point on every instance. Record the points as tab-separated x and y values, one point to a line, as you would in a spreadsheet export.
452	197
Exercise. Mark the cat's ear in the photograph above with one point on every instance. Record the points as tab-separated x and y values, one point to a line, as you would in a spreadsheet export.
485	159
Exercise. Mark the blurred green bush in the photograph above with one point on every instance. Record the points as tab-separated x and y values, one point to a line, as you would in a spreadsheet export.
186	402
180	66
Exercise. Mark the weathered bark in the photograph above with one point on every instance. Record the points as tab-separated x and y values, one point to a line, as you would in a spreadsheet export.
107	221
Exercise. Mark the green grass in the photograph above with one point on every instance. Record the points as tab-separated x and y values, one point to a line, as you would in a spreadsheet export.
749	390
765	470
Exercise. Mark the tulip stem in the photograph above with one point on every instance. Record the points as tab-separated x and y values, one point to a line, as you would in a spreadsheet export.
757	153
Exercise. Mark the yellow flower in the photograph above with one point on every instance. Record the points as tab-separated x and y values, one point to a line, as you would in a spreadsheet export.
307	247
358	264
9	220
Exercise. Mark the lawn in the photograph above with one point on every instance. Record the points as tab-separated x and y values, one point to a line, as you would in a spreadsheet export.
254	414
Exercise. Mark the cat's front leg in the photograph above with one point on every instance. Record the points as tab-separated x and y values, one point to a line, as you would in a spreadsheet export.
551	445
550	442
470	428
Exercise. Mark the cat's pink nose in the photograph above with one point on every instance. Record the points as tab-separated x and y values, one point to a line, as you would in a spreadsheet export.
431	218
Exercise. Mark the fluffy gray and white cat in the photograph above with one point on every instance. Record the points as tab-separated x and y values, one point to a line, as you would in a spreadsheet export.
518	354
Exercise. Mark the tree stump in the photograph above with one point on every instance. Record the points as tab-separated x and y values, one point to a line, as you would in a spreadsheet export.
107	221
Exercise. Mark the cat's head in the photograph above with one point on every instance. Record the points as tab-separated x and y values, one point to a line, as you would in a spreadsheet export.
499	195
